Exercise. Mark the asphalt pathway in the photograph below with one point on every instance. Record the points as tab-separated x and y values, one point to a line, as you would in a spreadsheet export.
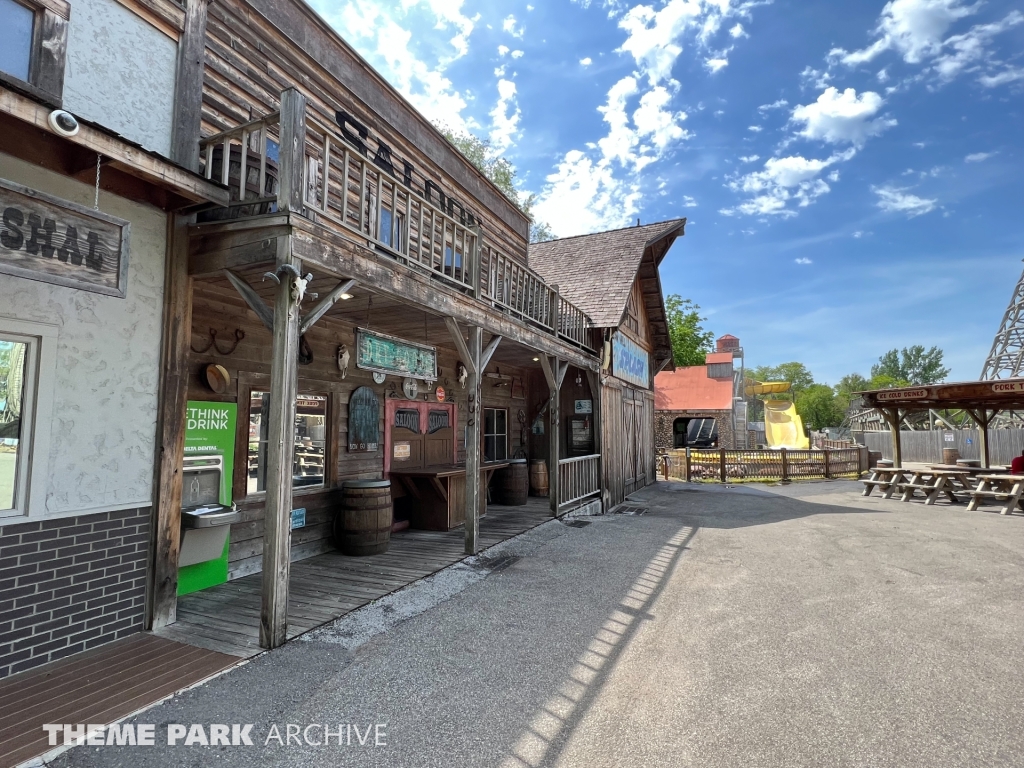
728	626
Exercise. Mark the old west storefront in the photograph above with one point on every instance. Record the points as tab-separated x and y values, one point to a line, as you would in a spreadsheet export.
613	277
429	352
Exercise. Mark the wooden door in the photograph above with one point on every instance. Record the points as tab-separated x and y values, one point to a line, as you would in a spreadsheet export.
439	440
418	434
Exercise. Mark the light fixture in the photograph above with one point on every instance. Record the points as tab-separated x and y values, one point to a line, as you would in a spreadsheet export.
536	359
345	296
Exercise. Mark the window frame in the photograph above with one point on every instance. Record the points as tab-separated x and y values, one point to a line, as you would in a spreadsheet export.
240	483
37	415
485	434
47	53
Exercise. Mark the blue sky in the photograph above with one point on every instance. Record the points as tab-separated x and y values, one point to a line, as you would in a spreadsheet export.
852	172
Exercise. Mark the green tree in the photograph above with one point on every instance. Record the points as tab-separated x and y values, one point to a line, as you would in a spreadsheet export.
912	364
690	341
500	171
819	406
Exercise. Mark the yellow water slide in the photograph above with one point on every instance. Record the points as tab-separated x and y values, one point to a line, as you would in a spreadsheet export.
783	427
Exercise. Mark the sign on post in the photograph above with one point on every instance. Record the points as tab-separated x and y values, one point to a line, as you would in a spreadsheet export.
630	362
56	241
387	354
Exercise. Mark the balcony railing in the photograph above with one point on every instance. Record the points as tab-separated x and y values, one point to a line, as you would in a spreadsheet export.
342	188
578	478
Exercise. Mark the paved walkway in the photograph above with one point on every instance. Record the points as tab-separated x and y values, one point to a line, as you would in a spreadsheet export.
795	626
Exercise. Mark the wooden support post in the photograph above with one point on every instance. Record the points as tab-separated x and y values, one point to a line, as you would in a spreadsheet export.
687	471
893	417
292	151
721	464
554	372
162	596
474	414
188	87
827	473
280	458
664	462
785	466
982	418
594	380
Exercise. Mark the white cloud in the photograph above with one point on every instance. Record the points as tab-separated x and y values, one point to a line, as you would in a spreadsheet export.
778	104
586	196
898	200
654	120
517	54
715	64
738	31
842	117
504	117
688	201
385	38
586	62
755	128
1008	75
883	75
784	180
803	260
503	50
815	77
978	157
913	28
509	25
858	234
750	158
964	52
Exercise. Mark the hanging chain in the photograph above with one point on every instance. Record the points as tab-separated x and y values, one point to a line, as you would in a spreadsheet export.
96	196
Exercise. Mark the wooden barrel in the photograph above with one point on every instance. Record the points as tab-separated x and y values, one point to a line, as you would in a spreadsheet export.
363	526
950	455
539	477
511	484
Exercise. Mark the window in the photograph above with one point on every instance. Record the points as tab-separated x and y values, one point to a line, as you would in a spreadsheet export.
391	228
16	25
310	441
33	44
495	434
28	361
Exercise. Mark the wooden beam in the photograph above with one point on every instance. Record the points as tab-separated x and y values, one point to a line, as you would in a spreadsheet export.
594	380
256	304
188	87
162	598
280	456
292	152
324	305
554	372
127	157
488	353
465	356
474	413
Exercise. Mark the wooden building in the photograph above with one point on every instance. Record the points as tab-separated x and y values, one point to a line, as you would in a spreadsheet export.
613	277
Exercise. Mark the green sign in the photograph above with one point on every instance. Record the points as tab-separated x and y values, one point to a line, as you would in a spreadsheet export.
386	354
210	431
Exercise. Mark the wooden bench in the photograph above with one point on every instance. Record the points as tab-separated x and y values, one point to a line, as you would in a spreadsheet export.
885	479
1006	488
935	482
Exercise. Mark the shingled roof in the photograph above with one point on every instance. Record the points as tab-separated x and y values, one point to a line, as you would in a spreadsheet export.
596	272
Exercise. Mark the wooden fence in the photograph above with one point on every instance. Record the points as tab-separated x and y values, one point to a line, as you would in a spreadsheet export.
727	466
578	478
927	445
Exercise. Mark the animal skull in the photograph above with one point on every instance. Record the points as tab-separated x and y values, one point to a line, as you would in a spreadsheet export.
343	360
462	374
299	287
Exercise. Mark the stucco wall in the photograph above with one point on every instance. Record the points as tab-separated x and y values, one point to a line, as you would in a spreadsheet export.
103	429
120	73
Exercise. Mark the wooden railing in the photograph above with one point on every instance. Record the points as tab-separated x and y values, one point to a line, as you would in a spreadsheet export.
578	478
342	187
728	466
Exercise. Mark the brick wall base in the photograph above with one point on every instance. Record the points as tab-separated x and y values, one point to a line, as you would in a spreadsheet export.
663	421
70	584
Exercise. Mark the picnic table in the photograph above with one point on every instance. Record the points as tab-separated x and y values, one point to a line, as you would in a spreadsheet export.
885	479
935	482
1000	487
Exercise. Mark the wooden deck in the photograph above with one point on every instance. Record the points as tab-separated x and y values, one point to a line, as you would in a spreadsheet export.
98	686
226	618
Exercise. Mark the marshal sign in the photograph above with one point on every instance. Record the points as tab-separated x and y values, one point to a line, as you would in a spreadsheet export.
57	241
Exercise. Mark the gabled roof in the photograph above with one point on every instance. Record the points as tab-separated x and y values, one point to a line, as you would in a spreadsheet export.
596	272
691	389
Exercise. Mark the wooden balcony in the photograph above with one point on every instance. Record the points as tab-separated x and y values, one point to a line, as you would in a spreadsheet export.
340	188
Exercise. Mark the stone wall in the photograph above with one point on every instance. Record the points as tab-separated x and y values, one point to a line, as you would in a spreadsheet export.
663	421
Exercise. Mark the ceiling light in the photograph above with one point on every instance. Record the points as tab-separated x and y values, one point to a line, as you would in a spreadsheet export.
536	359
345	296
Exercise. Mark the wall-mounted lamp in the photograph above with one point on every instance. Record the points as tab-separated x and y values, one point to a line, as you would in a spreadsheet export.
345	296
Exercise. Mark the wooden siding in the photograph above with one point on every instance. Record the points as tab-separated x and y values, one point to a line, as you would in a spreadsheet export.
627	421
249	62
635	323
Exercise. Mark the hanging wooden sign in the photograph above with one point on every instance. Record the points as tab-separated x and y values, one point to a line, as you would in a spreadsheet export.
363	421
56	241
387	354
